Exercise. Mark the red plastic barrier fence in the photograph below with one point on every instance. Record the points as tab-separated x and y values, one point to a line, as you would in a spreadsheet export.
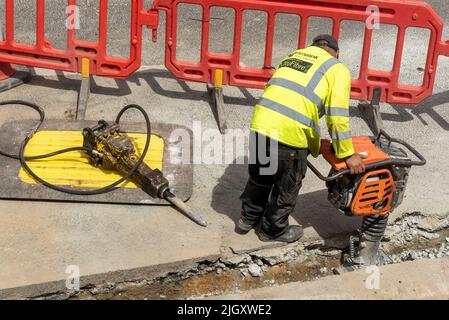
404	14
42	54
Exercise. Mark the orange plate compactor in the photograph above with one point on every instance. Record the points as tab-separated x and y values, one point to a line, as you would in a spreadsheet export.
373	194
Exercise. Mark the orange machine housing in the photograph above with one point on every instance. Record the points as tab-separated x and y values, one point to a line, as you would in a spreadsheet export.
376	188
363	145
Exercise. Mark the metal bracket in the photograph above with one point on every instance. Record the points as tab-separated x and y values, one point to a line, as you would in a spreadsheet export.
370	112
217	104
83	98
84	93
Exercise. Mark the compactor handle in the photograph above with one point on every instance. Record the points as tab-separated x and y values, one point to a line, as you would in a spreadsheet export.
397	162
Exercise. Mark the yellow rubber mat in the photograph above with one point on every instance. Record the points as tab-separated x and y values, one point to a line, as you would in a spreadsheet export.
73	168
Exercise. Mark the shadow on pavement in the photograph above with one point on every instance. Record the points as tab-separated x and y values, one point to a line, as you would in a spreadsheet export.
312	209
407	113
427	107
61	82
401	115
151	76
226	194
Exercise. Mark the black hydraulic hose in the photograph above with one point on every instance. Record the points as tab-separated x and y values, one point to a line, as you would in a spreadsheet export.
52	154
21	157
34	129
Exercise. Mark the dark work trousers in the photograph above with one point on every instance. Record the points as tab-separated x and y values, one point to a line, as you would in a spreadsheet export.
271	198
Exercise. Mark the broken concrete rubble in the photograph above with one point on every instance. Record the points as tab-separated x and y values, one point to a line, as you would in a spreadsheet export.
255	270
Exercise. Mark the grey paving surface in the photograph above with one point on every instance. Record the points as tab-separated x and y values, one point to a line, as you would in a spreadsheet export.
39	239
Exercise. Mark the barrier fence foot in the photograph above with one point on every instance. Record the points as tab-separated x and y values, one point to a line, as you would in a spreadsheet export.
217	104
83	99
370	112
11	78
84	93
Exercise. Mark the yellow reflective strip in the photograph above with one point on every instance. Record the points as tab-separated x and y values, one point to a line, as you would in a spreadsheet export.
85	67
218	78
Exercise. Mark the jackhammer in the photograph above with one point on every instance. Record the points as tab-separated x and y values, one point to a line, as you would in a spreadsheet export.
110	148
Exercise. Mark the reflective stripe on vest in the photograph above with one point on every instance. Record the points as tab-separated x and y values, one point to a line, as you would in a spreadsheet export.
337	111
341	135
309	91
313	83
292	114
296	87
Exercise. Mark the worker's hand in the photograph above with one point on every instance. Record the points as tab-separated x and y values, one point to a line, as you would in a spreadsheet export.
355	164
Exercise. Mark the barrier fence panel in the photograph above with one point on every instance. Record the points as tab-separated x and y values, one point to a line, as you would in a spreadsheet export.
43	54
405	14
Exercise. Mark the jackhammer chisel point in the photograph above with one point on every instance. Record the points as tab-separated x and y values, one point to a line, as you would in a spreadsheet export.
202	223
184	208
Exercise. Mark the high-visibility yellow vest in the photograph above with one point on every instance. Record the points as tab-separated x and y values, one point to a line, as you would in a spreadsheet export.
307	85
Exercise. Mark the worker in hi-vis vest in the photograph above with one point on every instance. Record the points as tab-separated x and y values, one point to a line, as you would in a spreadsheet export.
306	85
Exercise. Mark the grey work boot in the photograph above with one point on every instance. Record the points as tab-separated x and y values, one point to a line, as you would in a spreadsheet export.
291	234
242	227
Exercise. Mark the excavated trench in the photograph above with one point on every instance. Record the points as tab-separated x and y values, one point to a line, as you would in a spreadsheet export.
410	237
